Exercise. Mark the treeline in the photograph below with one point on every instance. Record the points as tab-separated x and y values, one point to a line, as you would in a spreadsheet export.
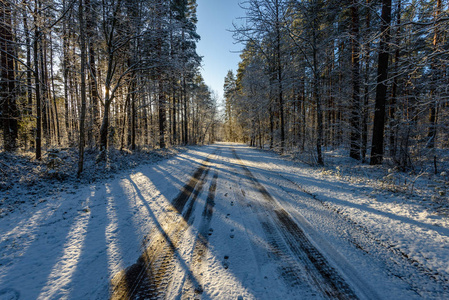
370	76
101	74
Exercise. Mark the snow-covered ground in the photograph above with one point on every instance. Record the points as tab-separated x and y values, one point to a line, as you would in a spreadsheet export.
404	232
384	242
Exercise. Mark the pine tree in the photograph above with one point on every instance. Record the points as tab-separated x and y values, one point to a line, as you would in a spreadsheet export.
229	96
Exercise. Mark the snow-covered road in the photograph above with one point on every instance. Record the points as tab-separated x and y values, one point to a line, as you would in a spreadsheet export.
221	222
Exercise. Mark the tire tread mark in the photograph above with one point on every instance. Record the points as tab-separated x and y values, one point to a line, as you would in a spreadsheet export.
201	243
151	275
324	276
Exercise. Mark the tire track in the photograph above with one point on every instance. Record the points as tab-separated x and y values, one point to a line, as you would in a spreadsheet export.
192	290
396	263
150	277
285	236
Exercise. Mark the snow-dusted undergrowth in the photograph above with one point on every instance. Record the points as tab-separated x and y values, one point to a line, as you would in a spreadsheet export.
419	184
25	180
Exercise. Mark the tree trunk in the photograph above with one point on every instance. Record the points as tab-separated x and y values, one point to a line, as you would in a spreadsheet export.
355	111
54	104
394	88
126	118
29	108
279	76
174	131
65	70
145	121
133	117
44	87
37	85
377	151
431	135
270	113
107	103
316	96
185	123
82	87
162	112
365	110
94	94
105	124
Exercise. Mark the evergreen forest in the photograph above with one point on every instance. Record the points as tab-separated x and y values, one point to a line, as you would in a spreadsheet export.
97	75
370	77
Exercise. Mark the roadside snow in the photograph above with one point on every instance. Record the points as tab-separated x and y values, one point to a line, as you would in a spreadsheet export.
403	228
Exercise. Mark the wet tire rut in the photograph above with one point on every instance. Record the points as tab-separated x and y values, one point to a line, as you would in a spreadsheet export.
286	238
150	277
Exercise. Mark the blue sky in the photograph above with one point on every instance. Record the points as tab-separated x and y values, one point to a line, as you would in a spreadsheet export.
217	46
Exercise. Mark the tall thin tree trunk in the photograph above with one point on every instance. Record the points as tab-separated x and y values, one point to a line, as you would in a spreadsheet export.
93	87
377	151
126	117
162	113
394	87
45	91
29	89
145	120
270	113
105	124
53	89
82	87
431	135
355	111
65	70
133	117
104	129
186	124
316	96
37	85
175	134
279	75
365	110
